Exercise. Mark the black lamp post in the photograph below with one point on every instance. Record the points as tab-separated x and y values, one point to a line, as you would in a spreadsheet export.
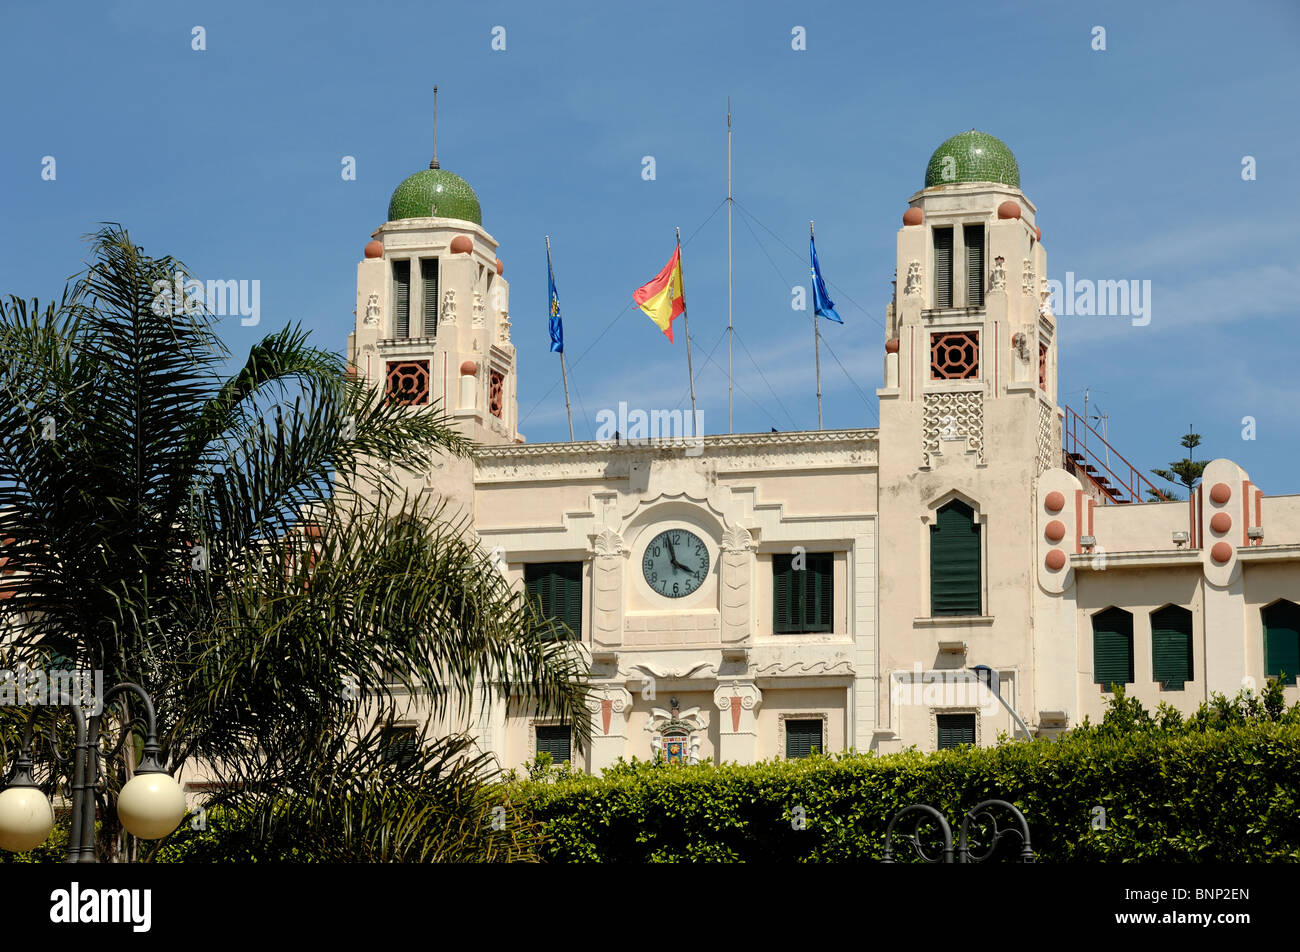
150	806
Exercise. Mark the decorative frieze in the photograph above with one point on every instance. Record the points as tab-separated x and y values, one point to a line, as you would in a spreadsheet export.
956	416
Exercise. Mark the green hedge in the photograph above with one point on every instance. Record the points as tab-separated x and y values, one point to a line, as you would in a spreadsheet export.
1227	795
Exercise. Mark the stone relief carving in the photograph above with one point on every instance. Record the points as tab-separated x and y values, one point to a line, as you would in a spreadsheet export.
608	542
737	569
448	315
998	280
953	416
372	310
1044	298
605	702
478	310
734	698
737	539
503	327
913	278
1020	341
1027	277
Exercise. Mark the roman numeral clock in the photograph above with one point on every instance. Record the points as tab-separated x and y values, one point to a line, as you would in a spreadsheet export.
675	563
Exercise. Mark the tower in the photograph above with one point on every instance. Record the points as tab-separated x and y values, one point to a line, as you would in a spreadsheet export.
968	422
432	318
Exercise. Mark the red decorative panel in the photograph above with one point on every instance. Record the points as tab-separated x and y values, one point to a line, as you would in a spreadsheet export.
955	356
408	382
496	392
1042	367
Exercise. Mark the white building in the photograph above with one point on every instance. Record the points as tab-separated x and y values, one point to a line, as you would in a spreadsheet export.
831	589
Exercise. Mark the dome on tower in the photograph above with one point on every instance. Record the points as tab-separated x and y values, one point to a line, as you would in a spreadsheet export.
972	156
435	193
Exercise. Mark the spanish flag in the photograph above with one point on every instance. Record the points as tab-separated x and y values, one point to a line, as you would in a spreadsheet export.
662	298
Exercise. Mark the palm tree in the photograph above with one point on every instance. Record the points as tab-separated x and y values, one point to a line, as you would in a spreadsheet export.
219	540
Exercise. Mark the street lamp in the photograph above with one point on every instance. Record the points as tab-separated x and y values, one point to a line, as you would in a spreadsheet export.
150	806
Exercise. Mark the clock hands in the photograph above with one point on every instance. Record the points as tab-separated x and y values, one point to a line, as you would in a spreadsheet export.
672	555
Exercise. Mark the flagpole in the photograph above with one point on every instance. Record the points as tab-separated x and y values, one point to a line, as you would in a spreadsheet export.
564	373
817	337
690	370
730	375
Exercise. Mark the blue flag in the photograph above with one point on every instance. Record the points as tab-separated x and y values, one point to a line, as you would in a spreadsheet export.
557	326
822	304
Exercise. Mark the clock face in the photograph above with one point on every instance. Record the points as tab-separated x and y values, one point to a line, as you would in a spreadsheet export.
675	563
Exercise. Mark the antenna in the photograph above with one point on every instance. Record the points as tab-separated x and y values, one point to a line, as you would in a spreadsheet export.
433	163
731	379
1103	418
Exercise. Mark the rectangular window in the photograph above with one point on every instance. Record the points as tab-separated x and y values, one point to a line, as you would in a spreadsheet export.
803	738
557	588
1171	647
943	267
1282	641
955	577
955	730
803	598
554	739
401	299
973	238
399	745
1112	647
429	290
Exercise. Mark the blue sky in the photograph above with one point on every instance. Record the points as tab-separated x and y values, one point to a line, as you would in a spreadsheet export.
230	160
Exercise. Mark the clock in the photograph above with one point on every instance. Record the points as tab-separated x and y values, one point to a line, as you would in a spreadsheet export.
675	563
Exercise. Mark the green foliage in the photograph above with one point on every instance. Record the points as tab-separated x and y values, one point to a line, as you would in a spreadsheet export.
1220	792
242	546
1184	472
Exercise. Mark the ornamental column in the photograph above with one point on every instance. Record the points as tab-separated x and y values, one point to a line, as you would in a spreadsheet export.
609	706
739	702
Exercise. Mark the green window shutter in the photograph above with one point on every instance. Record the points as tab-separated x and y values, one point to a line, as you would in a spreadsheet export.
554	739
1171	646
1112	647
401	299
783	596
803	600
556	588
955	730
568	576
955	561
802	738
973	237
819	597
429	278
1282	640
943	267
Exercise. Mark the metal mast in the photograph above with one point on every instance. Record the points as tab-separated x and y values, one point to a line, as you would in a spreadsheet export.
730	200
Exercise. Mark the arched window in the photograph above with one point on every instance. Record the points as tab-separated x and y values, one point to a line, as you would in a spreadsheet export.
955	561
1112	647
1282	640
1171	646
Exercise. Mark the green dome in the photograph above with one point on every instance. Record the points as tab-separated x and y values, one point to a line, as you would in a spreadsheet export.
972	157
435	193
